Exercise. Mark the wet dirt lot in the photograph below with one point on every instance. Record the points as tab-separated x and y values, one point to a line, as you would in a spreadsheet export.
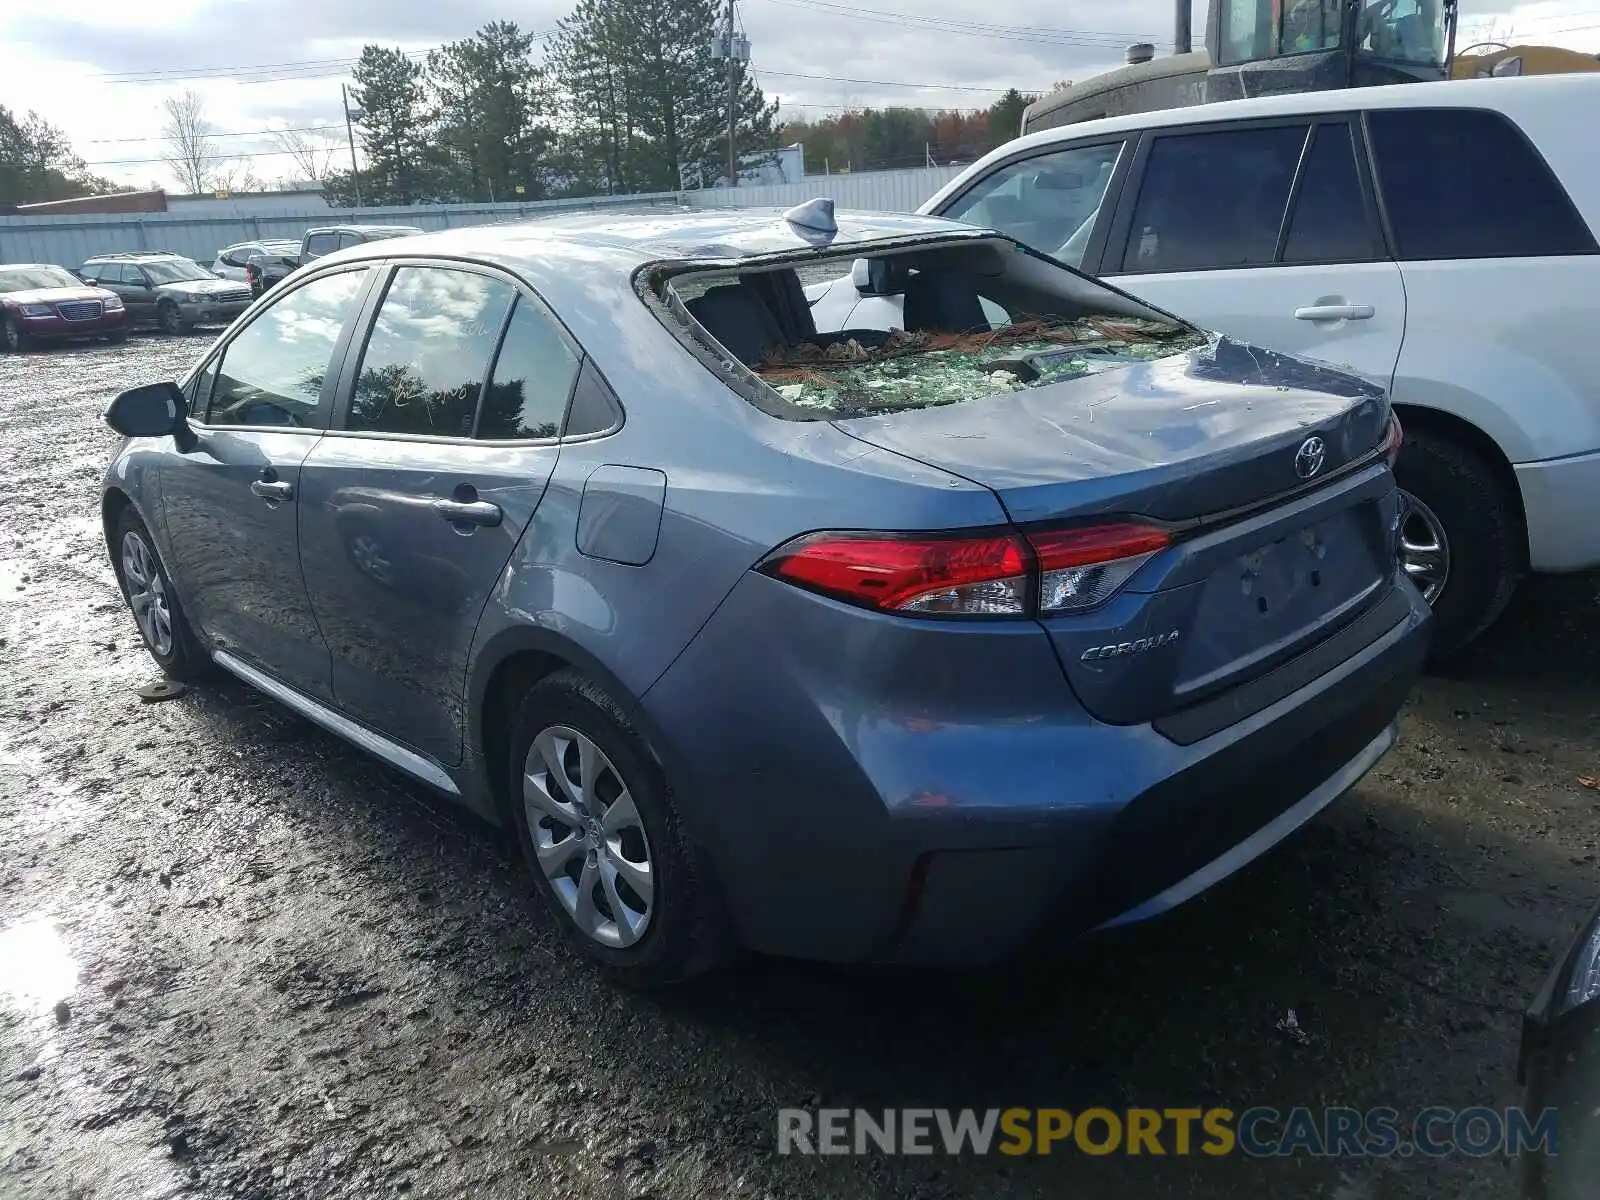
239	959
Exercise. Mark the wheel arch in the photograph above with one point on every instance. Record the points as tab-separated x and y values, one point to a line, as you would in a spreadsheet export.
1416	418
507	664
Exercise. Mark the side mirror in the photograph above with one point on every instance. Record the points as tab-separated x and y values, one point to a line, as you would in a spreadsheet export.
874	276
154	410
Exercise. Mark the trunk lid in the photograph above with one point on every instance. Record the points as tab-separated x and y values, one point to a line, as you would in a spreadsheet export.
1276	545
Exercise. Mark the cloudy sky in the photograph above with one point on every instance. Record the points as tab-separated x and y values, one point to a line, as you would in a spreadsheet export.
102	72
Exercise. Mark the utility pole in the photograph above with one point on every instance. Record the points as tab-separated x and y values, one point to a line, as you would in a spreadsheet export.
350	132
1182	39
733	100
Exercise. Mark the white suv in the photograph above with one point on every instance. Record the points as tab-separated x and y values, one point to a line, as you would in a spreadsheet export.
1438	238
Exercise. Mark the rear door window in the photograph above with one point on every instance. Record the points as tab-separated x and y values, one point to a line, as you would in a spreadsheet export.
1330	221
272	373
425	361
532	380
1213	200
1465	183
107	272
1050	202
319	244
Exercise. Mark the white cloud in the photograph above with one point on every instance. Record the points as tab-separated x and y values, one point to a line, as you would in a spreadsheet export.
949	54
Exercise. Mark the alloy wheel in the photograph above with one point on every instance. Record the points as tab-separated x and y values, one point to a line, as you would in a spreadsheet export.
588	837
1424	548
13	335
147	593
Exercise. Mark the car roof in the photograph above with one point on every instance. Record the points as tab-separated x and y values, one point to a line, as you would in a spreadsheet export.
1508	94
625	242
134	254
359	228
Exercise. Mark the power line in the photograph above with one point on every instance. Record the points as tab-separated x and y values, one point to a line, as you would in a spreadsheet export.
905	83
1037	35
247	133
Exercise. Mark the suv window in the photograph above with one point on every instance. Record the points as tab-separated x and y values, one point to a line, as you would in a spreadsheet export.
1213	200
349	239
1330	221
533	376
272	372
104	272
428	353
1464	183
1048	202
319	244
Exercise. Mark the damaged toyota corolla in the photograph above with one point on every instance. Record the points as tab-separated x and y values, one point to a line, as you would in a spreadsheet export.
1037	614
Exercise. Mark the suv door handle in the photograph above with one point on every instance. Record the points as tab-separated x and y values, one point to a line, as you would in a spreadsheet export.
272	489
471	512
1335	312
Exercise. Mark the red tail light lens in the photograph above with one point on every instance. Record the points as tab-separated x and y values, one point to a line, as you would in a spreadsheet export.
1080	568
947	576
1391	442
992	575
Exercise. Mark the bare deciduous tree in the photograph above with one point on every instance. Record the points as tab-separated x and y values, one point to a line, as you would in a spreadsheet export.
193	151
313	160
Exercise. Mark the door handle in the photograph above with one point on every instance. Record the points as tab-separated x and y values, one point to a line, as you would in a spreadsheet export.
471	512
272	489
1335	312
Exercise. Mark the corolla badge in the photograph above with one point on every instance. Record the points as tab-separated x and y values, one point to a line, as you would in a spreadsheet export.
1309	458
1123	649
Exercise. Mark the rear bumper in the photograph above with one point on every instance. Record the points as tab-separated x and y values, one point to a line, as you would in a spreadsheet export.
56	328
1555	495
208	312
873	788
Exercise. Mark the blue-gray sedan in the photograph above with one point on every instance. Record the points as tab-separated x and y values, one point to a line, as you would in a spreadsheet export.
1040	612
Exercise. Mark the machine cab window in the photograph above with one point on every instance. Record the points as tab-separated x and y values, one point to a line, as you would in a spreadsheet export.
1408	31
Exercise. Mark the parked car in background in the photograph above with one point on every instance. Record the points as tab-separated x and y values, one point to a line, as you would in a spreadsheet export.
231	261
39	302
166	290
1559	1066
823	642
1435	238
271	266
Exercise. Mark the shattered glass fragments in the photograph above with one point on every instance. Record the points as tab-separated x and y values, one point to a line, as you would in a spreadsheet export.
921	369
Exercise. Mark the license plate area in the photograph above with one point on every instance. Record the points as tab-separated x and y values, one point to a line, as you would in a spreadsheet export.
1263	602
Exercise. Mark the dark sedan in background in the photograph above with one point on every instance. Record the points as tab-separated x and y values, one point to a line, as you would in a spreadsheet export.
41	303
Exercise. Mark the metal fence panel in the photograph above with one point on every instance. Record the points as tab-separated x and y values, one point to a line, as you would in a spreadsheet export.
877	191
69	240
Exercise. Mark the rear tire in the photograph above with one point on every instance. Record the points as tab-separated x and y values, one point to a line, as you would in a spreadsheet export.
154	602
607	850
1467	520
171	320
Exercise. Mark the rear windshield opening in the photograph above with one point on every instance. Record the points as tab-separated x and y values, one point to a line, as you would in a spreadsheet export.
919	328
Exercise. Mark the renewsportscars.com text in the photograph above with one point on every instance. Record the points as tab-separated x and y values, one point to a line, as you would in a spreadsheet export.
1255	1132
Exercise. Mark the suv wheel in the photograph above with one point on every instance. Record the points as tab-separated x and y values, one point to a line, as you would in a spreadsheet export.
170	319
11	335
154	602
1461	539
607	850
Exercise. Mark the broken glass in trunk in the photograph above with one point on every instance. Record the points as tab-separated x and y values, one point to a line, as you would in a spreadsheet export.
852	377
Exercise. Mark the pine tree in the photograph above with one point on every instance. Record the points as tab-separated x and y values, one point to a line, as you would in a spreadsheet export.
645	103
403	165
490	100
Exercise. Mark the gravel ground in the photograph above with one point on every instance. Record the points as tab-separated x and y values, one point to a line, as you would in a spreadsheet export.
238	958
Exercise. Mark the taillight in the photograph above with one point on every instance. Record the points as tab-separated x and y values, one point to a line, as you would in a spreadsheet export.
1392	440
251	271
956	575
1079	568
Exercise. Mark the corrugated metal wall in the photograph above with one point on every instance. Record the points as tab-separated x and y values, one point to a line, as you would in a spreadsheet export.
68	240
881	191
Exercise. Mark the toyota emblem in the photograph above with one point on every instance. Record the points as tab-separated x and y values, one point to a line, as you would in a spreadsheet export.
1309	458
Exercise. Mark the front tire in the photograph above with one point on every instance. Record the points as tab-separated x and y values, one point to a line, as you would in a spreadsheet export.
117	338
171	320
11	336
1462	539
154	602
606	847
